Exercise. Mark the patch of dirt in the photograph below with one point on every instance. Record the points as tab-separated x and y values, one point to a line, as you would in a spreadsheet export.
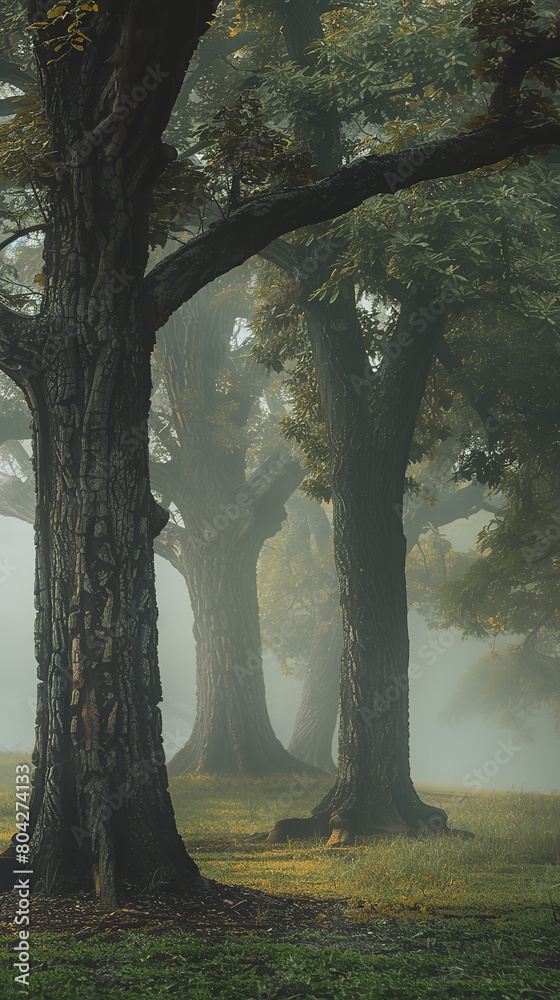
219	911
216	909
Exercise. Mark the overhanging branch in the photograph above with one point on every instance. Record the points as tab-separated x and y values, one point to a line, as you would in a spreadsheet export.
230	242
463	503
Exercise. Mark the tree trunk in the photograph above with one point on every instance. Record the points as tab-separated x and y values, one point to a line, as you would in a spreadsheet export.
370	434
100	804
232	730
226	520
100	810
316	719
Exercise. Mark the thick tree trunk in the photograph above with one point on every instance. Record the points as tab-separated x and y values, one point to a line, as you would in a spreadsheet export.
373	792
226	520
100	810
232	730
370	431
100	804
317	714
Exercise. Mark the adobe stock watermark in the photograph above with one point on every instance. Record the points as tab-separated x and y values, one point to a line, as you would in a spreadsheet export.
419	321
539	541
429	652
125	105
407	162
253	661
6	571
482	775
253	488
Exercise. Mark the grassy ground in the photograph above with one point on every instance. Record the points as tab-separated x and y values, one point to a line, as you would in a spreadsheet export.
464	919
424	962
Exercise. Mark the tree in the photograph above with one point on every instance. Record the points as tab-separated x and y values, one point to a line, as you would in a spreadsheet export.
212	388
83	364
512	588
393	383
200	444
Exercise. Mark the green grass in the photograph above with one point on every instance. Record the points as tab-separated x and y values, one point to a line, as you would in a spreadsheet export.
510	862
409	961
445	917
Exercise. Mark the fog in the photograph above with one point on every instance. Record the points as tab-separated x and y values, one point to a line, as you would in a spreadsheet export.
440	754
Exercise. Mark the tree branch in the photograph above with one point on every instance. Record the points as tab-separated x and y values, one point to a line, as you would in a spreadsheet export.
15	76
14	427
16	333
250	228
22	232
17	497
170	543
273	483
515	67
164	478
463	503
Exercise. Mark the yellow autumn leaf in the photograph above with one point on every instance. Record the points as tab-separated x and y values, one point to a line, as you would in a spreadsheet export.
39	279
56	11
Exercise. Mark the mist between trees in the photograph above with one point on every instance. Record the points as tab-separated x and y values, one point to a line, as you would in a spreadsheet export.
359	245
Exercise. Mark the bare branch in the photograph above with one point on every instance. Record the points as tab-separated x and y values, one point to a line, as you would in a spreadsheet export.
16	335
17	497
22	232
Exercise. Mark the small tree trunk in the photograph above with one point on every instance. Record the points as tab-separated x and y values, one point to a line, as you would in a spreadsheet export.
316	719
232	729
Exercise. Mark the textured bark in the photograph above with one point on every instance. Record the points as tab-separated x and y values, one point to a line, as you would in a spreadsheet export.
232	730
97	389
100	804
251	227
370	433
100	810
